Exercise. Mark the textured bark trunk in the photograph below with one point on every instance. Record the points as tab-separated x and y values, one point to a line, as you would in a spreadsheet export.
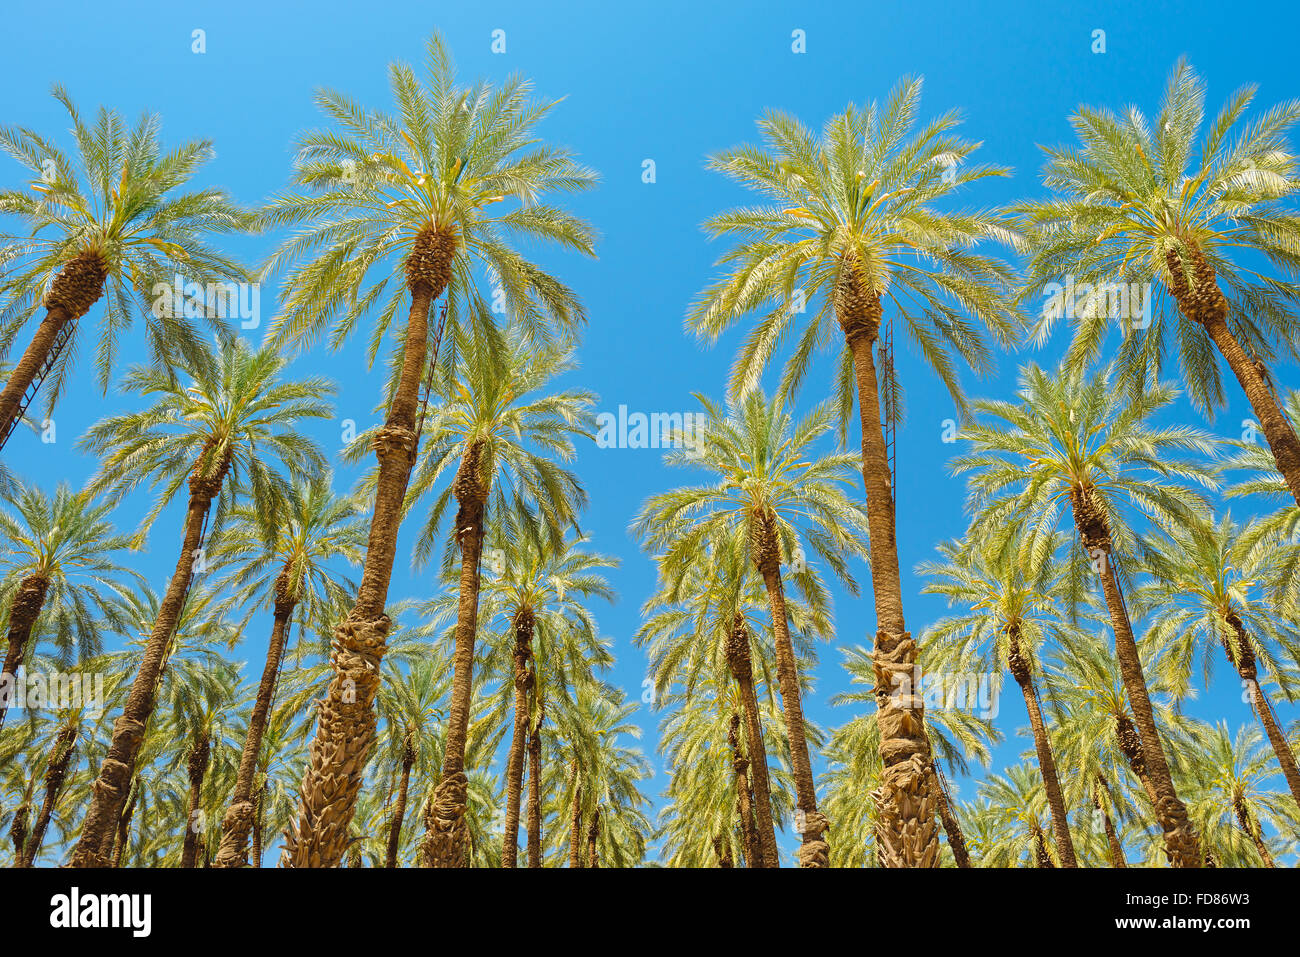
1242	657
740	663
1020	670
110	789
535	788
447	841
23	612
345	726
1112	838
744	808
124	828
1181	843
1043	858
198	769
1251	827
1203	302
238	819
906	829
722	851
518	742
593	836
18	829
258	815
55	773
951	826
399	809
76	288
575	830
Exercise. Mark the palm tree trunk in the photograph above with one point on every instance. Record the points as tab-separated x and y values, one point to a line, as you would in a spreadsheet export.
198	769
238	819
740	663
118	848
55	774
76	288
951	826
447	843
535	787
399	809
575	830
345	725
1203	302
906	831
110	790
1242	657
18	827
1181	843
593	835
258	815
1251	827
1112	838
518	742
1041	856
744	804
23	612
1019	666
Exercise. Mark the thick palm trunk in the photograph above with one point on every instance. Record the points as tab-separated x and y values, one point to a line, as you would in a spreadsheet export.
345	726
1242	657
399	807
447	841
740	663
575	826
1019	667
535	787
110	789
55	773
198	769
238	819
906	830
76	288
23	612
518	742
1203	302
951	826
1181	843
744	801
593	835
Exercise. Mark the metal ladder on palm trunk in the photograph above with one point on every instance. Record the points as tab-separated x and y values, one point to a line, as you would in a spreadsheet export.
61	340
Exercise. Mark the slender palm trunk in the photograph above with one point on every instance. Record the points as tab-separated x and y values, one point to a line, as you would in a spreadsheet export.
518	742
110	789
76	288
1181	843
18	828
1251	826
744	798
198	769
1041	856
906	829
1112	838
1242	657
345	726
575	828
535	787
1020	670
399	808
1203	302
55	773
951	826
23	612
118	848
593	835
238	819
258	815
740	663
447	841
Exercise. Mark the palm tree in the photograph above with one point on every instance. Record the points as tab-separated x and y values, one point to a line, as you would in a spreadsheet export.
852	216
409	195
769	491
1012	614
501	432
123	229
233	430
1204	577
1016	802
57	569
1128	210
1073	439
283	566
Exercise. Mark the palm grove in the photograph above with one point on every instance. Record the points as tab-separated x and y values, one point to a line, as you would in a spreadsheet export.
1102	569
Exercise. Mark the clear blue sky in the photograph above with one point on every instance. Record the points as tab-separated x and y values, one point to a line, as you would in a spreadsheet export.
668	81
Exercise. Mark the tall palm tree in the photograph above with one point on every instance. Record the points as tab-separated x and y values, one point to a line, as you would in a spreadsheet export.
57	568
504	437
1012	612
1127	209
410	195
1206	592
1072	440
769	492
852	223
285	566
1016	802
112	221
231	430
